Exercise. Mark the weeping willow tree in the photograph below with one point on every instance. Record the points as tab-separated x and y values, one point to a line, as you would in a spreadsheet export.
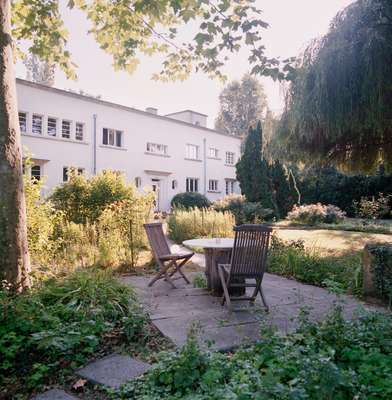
339	105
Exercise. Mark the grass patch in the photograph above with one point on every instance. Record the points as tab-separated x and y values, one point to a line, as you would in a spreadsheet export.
54	328
293	260
334	359
349	224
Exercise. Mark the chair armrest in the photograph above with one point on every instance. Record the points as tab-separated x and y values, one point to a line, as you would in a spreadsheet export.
225	267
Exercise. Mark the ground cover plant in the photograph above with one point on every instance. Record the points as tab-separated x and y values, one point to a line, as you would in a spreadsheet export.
194	223
291	259
59	324
334	359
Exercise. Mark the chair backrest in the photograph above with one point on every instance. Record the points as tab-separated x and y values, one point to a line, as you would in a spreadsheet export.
249	255
157	239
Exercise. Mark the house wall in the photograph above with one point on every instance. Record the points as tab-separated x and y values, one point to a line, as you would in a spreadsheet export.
138	127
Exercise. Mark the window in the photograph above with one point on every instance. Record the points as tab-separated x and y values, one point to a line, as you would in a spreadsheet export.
174	184
37	124
36	172
230	158
138	182
192	184
156	148
79	131
66	129
192	151
52	126
111	137
213	152
66	171
23	122
213	185
230	185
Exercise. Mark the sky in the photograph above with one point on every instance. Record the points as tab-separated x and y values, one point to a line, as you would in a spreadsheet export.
293	23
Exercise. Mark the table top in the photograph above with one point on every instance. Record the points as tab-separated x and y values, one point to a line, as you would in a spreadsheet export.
210	243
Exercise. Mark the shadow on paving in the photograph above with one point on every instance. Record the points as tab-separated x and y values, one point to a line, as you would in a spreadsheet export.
177	311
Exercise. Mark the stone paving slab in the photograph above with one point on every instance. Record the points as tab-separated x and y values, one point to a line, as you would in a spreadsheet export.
54	394
175	311
113	370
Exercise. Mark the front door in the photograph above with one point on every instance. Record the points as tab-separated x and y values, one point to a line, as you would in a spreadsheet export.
156	188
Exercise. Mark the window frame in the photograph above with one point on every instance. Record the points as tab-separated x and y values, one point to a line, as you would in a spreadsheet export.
80	171
113	137
213	185
153	148
215	150
230	158
32	173
229	186
33	126
192	185
77	134
188	154
56	126
26	117
66	136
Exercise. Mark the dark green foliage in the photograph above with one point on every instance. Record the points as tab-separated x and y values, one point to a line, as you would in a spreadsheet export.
190	200
339	105
292	260
244	212
382	270
334	359
328	186
283	192
57	325
252	170
262	181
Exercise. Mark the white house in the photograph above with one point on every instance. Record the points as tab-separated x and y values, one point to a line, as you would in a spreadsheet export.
170	154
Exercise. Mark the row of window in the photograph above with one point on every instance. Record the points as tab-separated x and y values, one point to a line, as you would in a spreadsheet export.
110	137
192	152
54	126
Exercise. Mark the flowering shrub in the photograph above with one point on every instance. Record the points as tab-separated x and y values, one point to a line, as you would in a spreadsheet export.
373	208
313	214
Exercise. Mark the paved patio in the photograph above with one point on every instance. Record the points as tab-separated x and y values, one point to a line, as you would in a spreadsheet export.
175	311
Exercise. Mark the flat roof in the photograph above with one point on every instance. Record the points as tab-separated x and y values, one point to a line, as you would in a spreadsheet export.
184	111
118	106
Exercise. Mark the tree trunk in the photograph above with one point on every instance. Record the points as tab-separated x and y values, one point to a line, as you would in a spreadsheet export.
14	256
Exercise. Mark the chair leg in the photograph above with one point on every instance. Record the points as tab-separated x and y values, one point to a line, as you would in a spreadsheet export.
170	281
263	299
254	295
226	296
178	269
158	276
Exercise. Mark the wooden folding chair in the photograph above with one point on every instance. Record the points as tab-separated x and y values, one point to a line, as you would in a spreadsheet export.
168	262
248	262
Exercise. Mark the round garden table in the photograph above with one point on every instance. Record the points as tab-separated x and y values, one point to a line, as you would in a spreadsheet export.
216	251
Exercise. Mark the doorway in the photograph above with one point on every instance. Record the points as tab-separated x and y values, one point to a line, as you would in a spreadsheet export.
156	188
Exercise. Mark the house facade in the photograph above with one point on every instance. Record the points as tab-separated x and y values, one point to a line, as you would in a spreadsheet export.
168	154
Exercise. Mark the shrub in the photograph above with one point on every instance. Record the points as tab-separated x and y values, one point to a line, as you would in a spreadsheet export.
121	233
292	260
41	223
243	211
82	199
332	359
190	224
190	200
314	214
373	208
59	323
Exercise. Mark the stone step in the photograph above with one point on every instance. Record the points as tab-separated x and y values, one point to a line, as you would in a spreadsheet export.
113	370
54	394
